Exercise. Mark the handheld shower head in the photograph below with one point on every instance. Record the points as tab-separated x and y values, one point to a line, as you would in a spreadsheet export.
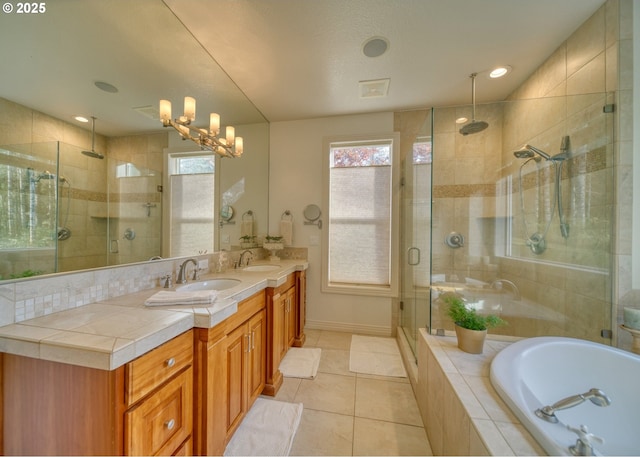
527	151
523	154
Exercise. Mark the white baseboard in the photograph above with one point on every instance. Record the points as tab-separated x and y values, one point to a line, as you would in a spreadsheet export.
374	330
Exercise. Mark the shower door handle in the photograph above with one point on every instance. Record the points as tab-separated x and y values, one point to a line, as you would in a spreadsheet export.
410	256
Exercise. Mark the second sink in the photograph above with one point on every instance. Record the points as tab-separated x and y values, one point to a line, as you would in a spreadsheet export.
262	268
210	284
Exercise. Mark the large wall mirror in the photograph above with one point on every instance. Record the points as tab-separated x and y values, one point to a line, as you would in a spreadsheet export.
72	199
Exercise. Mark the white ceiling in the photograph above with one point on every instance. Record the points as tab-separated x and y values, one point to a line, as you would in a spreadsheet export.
294	59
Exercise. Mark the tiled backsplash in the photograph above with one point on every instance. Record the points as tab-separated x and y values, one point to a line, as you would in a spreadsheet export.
27	298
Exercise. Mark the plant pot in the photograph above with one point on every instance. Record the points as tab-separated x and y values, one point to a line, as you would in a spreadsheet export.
471	341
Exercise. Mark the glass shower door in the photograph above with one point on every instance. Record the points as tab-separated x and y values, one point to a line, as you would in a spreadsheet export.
416	215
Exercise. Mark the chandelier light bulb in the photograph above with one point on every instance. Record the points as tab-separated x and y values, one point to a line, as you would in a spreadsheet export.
231	134
165	111
239	146
190	108
214	123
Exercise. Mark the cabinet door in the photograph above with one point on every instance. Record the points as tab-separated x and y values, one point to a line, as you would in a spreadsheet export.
279	328
237	344
301	307
257	355
290	324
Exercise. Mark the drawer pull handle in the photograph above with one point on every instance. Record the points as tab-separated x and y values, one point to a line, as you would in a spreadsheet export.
171	362
170	424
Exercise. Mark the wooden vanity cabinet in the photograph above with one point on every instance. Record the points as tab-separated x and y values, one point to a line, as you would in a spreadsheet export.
141	408
301	308
285	325
230	374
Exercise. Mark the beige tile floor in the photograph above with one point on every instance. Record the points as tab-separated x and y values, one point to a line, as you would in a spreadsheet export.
353	414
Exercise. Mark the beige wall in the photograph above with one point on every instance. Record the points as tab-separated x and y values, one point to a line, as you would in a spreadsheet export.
295	181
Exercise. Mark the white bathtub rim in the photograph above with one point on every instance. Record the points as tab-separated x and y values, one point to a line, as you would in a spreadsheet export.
503	374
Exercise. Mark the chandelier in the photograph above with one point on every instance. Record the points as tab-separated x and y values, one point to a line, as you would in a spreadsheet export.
230	146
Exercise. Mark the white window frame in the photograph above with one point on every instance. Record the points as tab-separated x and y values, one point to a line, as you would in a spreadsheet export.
364	289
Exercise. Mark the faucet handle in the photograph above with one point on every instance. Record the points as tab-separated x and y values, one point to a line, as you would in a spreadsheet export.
166	281
584	442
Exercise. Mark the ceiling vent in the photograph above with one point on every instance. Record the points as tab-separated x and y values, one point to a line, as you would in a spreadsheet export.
150	111
374	88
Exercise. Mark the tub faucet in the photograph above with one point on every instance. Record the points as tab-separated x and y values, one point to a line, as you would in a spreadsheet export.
596	396
584	443
182	274
498	284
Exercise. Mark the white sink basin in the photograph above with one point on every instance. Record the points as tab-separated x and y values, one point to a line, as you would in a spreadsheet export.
210	284
262	268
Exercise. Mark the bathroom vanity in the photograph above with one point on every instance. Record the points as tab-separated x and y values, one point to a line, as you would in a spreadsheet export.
117	378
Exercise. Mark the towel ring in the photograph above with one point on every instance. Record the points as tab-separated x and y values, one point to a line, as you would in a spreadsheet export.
249	215
286	215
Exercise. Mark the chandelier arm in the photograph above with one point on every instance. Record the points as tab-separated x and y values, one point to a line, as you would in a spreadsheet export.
204	140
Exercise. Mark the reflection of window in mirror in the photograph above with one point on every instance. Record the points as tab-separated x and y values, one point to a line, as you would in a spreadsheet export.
192	203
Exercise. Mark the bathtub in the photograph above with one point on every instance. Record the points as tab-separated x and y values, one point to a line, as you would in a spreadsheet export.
536	372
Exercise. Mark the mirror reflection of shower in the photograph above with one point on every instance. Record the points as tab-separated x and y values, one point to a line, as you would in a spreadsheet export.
537	240
63	232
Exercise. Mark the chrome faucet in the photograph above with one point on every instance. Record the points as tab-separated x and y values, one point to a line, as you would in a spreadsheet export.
242	257
182	274
596	396
498	284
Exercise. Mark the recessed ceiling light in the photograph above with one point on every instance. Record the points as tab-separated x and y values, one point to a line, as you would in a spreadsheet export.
375	46
461	120
81	119
499	72
106	87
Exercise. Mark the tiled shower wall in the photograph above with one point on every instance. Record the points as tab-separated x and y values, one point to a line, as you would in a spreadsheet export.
90	192
466	170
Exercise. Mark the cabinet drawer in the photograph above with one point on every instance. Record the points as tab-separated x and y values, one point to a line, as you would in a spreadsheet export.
147	372
162	422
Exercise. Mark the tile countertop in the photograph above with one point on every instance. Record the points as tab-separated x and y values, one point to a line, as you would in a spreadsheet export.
110	333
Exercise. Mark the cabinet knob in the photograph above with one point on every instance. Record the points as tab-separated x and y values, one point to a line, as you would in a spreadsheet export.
170	362
170	424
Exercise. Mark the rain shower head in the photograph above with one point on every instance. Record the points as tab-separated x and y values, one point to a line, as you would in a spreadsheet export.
473	126
93	154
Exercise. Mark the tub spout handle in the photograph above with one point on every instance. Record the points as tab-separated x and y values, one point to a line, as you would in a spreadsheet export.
584	443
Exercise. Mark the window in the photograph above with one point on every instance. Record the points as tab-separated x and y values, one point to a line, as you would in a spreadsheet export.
192	203
360	203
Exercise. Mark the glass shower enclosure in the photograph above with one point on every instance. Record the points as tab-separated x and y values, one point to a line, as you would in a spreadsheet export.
520	218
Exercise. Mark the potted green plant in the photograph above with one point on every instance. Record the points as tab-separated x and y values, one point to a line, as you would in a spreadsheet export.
273	244
471	327
247	241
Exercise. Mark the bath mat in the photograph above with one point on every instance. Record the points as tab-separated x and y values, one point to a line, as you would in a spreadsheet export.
376	355
268	429
301	363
